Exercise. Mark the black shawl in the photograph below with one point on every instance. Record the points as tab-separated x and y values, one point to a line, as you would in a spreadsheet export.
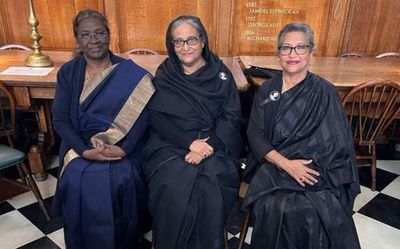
308	123
206	99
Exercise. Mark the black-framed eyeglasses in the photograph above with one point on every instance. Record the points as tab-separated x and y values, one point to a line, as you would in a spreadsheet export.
191	41
99	35
299	49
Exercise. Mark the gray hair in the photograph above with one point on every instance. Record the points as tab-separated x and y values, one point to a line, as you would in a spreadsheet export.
195	22
192	20
87	13
297	27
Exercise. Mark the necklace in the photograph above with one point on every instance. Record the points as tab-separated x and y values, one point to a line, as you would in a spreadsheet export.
286	85
92	71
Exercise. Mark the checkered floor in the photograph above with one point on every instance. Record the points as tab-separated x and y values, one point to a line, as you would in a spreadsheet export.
376	215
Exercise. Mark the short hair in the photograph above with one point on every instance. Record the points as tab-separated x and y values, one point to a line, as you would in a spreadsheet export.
88	13
297	27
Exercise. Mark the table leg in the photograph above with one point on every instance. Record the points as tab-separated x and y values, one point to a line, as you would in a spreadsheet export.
35	158
38	154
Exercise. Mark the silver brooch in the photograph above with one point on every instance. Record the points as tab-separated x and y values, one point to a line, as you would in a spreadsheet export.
223	76
274	95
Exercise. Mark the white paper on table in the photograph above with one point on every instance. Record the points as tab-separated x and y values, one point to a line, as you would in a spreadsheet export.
28	71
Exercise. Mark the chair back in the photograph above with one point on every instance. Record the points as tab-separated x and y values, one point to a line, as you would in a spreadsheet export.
7	113
372	107
142	51
15	47
351	54
388	54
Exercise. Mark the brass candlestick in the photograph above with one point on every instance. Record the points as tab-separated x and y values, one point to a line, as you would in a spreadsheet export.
36	58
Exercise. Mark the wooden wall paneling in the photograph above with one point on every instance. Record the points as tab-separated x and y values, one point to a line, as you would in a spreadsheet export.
111	12
224	17
2	34
56	18
258	22
373	27
59	30
359	28
336	27
235	27
16	28
388	32
55	21
142	24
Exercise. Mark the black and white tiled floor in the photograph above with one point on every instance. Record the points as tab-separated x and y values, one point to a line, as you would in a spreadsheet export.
377	215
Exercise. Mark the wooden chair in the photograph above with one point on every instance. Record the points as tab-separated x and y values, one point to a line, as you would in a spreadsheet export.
243	230
15	47
142	51
237	214
388	54
371	107
352	54
247	220
10	157
22	121
7	114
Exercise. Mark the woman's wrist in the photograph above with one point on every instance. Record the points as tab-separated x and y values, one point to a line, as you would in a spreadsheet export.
281	163
277	159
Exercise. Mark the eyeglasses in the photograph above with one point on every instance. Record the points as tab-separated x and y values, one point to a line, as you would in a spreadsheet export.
190	42
99	35
299	49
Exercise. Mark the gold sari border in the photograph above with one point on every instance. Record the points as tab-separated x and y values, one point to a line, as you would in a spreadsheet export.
69	156
129	113
91	84
124	120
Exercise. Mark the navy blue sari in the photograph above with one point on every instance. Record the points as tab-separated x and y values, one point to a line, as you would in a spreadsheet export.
102	203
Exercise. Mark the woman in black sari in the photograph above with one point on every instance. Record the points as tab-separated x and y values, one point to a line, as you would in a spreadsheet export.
190	157
305	181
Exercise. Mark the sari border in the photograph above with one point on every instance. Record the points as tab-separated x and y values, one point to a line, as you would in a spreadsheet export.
91	84
69	156
128	114
124	120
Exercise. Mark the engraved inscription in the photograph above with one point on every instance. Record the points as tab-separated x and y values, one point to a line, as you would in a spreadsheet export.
263	19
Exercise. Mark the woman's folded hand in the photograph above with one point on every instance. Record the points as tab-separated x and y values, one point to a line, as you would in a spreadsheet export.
201	147
193	158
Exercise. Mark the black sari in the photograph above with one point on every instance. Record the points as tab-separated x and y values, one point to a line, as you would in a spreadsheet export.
306	122
190	203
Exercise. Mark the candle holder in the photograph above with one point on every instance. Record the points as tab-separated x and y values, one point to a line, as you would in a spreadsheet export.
36	58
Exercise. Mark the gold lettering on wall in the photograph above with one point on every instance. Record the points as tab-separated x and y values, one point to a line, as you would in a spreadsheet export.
258	30
274	11
258	27
258	22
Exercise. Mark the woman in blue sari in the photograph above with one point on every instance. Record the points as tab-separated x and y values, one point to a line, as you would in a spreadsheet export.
99	114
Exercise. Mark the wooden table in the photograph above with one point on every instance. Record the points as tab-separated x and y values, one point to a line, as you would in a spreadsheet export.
36	92
343	72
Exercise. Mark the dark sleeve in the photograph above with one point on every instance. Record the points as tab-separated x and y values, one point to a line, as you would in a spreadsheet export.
255	129
227	124
214	141
62	115
130	141
169	130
